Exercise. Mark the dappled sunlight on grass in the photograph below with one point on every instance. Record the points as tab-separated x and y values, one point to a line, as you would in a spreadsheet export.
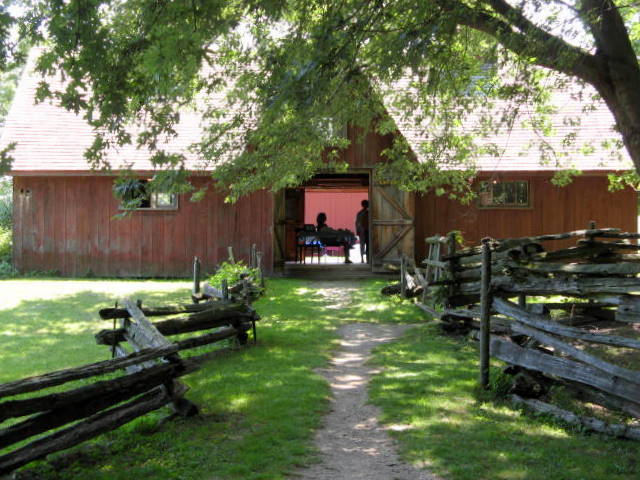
429	384
259	404
368	305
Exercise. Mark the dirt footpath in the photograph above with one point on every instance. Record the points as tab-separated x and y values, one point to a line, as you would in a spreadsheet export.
352	443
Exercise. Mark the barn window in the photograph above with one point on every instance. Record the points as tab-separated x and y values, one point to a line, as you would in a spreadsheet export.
134	195
497	194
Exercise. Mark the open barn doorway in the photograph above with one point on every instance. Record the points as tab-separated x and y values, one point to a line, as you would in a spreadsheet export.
336	200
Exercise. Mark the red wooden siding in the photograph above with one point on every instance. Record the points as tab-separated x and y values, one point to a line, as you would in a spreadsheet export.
553	210
341	207
365	150
66	224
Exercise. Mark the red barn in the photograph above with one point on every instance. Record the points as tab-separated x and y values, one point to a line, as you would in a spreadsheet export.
64	212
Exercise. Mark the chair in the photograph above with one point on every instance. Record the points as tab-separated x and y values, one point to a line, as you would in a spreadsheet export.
306	239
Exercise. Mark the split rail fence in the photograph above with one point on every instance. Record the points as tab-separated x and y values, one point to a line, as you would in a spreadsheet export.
150	368
500	292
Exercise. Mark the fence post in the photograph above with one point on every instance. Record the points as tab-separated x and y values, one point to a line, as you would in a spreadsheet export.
522	300
485	313
590	226
224	285
245	291
252	261
259	267
451	250
403	271
196	275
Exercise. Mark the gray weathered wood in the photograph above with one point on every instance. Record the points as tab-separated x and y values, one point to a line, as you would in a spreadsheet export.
177	326
58	417
485	314
563	368
210	338
611	402
556	286
543	323
576	353
430	310
435	263
141	333
579	268
436	239
92	427
60	377
403	277
588	423
136	382
196	275
628	310
111	313
618	234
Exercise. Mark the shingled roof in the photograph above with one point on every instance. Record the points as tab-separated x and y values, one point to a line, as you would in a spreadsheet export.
519	147
53	140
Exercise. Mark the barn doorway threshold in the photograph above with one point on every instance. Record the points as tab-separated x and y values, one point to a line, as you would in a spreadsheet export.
331	271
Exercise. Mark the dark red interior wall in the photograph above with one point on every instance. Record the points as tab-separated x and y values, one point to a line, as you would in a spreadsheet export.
341	207
66	224
553	210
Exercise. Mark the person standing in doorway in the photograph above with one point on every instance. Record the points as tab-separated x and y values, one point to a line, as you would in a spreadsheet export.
362	229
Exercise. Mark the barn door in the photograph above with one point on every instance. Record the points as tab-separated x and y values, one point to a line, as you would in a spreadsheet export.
289	215
392	225
279	228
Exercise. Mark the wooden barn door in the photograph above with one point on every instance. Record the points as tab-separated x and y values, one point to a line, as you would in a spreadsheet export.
392	225
289	215
279	229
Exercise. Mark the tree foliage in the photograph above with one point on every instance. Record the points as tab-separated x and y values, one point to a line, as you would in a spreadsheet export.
291	71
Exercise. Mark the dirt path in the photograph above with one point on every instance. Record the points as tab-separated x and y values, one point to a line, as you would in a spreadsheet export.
352	443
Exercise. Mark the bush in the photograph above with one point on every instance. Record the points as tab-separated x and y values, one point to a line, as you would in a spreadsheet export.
5	244
7	270
6	204
231	273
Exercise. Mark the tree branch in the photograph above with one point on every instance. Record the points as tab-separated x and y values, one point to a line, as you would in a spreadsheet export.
531	41
612	38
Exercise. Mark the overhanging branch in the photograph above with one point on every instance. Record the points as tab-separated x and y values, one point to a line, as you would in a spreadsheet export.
529	41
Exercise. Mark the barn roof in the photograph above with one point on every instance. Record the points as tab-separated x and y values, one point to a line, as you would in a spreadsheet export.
53	140
519	148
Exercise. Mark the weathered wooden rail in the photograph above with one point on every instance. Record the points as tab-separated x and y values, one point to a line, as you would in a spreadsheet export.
150	367
486	291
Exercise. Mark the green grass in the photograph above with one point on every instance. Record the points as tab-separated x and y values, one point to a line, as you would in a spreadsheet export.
428	395
367	305
260	405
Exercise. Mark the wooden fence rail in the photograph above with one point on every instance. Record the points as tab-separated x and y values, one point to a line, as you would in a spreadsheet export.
547	341
151	364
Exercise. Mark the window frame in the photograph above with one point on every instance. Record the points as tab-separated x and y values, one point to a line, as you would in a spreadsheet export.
171	208
493	206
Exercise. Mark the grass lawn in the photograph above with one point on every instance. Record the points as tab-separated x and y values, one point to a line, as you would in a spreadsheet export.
429	398
260	405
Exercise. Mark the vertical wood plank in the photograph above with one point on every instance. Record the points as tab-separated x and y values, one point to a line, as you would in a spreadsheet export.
485	313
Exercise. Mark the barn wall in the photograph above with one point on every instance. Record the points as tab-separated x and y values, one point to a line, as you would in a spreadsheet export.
365	149
66	224
554	210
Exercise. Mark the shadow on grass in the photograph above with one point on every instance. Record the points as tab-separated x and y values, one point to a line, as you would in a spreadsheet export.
39	336
428	391
259	404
